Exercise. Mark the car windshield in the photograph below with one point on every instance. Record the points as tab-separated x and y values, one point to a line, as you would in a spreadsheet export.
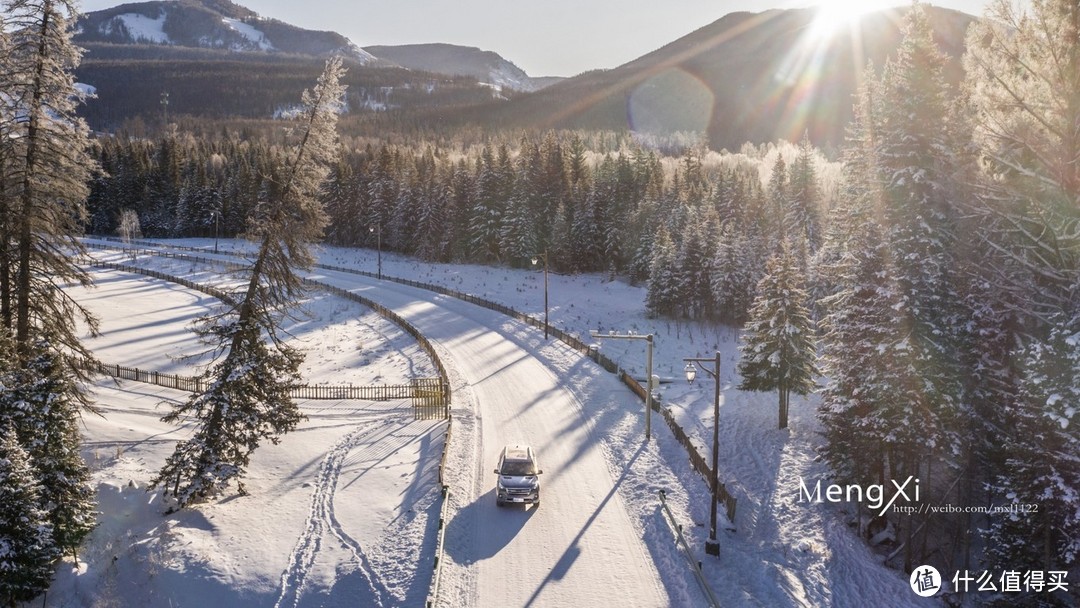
518	468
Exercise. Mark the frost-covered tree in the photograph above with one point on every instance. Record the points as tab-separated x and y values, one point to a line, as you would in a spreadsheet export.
1023	67
27	550
248	397
129	226
778	351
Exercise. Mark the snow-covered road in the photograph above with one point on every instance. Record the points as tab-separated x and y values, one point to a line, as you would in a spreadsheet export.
580	547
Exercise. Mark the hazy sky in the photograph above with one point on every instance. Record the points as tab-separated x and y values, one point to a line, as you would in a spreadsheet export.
542	37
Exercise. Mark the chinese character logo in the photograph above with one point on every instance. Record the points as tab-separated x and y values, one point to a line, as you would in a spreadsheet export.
925	581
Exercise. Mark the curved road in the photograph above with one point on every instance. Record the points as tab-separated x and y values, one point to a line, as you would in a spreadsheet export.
579	548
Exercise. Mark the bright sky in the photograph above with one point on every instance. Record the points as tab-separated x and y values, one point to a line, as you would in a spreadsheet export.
542	37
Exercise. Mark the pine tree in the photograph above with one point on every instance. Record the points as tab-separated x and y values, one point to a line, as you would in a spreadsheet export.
803	217
27	550
248	397
46	403
1043	460
694	271
662	296
915	160
858	406
489	208
50	169
778	351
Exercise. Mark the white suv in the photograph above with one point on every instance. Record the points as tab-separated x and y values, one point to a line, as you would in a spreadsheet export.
518	479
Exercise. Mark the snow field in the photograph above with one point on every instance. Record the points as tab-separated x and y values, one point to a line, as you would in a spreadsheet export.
343	510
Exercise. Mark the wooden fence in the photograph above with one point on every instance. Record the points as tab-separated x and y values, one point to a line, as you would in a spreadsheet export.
426	393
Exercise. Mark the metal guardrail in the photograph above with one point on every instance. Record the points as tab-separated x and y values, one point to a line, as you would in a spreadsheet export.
694	564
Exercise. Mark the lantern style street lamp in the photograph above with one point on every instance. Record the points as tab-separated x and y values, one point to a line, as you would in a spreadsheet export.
712	546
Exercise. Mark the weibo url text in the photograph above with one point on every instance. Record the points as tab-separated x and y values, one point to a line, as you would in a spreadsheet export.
1018	508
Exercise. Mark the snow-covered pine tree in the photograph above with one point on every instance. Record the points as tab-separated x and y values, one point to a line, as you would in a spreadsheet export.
778	351
777	199
693	266
1043	462
382	194
915	160
27	550
489	208
432	236
662	296
803	217
858	402
43	402
50	169
517	232
248	398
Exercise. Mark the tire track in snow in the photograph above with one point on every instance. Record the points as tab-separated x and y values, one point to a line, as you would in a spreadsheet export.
321	519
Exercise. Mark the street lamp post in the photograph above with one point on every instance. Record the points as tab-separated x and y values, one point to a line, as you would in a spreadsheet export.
217	228
650	379
377	229
536	260
712	546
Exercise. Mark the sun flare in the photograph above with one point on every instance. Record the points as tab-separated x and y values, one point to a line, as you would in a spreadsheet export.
833	15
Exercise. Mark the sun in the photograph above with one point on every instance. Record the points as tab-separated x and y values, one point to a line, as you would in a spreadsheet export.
833	15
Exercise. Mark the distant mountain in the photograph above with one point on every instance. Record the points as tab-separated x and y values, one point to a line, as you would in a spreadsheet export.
748	77
206	60
212	24
486	66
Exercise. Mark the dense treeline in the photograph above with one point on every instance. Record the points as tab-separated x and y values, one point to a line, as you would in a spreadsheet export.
597	206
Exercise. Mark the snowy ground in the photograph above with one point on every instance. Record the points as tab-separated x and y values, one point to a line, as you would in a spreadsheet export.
777	552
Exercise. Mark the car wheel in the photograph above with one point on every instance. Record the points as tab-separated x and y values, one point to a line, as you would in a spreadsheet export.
498	502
